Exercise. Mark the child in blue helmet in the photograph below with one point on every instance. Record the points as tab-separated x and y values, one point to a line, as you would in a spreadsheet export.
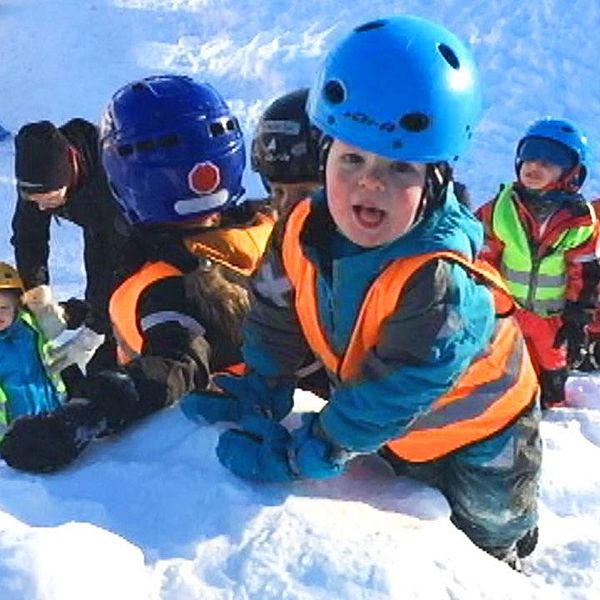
174	156
376	274
26	385
542	236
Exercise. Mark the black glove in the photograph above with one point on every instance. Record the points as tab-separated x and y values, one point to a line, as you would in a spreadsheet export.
76	312
575	337
573	332
526	545
115	396
50	441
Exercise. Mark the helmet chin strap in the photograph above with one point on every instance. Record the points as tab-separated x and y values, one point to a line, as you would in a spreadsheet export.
568	181
437	178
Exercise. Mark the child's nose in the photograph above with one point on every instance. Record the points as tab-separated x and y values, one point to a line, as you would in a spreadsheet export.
372	180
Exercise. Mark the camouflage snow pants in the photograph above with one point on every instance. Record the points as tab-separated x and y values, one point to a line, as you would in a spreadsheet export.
491	486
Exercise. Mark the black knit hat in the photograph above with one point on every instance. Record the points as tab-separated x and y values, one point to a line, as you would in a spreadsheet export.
42	158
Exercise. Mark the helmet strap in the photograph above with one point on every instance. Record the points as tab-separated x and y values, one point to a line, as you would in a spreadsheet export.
324	143
569	182
437	178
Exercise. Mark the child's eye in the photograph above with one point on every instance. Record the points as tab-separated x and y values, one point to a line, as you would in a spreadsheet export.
351	158
401	167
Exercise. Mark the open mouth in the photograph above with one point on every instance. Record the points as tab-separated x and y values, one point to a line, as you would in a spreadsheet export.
368	216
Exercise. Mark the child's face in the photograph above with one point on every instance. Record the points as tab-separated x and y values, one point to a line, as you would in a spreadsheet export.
373	200
8	310
285	195
537	174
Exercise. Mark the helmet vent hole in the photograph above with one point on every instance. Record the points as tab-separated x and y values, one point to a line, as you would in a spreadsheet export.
217	129
449	55
331	120
415	122
568	129
369	26
334	92
138	87
397	144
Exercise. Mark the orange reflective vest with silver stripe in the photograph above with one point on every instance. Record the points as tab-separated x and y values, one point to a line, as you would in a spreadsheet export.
123	307
237	248
495	389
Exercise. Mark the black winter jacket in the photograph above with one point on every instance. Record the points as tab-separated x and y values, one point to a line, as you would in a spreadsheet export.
188	330
91	206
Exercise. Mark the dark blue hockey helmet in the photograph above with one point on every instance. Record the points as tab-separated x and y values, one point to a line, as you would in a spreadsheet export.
172	150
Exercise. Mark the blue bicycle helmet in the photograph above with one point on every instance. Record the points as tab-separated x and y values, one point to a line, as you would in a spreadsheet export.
401	87
172	150
559	142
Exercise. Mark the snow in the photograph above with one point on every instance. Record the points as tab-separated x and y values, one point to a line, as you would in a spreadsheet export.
152	514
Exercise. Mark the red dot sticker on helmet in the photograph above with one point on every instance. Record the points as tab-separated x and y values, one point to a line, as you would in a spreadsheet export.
204	178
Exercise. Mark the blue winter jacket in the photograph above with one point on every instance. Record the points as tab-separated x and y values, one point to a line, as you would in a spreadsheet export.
444	320
25	386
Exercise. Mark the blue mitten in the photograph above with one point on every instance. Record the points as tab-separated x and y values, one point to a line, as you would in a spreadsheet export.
314	457
245	395
258	451
264	450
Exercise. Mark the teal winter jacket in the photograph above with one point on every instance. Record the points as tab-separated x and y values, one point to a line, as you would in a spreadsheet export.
26	388
444	320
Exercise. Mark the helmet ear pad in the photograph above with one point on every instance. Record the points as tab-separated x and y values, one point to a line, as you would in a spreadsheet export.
580	175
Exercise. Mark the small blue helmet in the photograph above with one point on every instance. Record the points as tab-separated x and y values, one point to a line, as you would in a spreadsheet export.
401	87
557	141
172	150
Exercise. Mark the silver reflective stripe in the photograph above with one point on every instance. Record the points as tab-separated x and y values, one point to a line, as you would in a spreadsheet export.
541	307
548	306
585	258
524	277
29	185
313	367
170	316
477	403
271	285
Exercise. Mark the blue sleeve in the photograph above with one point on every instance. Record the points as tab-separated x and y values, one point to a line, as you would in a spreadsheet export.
394	388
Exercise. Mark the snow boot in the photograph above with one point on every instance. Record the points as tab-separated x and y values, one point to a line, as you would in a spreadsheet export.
526	545
50	441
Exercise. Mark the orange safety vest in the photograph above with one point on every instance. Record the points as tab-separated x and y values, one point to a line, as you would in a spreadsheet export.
494	390
238	248
122	307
